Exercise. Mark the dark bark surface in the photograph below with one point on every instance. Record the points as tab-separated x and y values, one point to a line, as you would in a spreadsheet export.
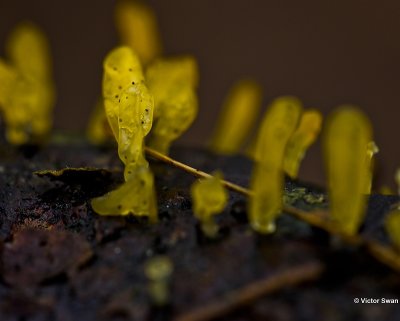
61	261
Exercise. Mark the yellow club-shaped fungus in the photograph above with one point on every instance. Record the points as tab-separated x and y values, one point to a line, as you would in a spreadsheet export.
397	180
173	83
372	149
26	90
98	131
137	27
239	113
392	226
128	105
305	134
345	142
129	110
209	198
267	183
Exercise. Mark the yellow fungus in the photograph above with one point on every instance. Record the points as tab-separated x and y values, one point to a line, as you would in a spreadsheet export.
172	82
129	110
305	134
267	181
29	52
98	130
135	196
239	113
209	198
27	94
128	105
138	29
372	149
397	180
386	190
392	226
158	270
345	143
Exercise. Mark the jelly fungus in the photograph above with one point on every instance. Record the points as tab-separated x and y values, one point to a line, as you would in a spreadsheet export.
158	271
129	110
239	113
209	198
137	27
345	142
98	130
173	83
372	149
392	226
26	91
305	135
128	105
397	180
267	183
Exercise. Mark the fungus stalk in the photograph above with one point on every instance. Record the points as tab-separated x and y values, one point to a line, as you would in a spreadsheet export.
303	137
267	180
239	113
209	198
348	133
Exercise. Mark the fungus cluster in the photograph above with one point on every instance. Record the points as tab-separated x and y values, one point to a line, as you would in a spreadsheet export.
159	103
26	86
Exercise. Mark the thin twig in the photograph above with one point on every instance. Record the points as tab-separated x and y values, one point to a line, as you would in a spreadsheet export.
251	292
384	254
198	173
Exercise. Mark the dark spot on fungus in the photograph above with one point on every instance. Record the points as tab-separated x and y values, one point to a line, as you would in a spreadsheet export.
119	206
116	96
133	82
130	69
119	87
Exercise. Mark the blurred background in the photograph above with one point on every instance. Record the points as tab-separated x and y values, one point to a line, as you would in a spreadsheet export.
325	52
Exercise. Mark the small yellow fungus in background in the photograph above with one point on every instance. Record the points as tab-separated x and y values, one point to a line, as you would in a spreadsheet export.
98	131
173	83
239	113
137	27
159	270
397	180
27	92
267	183
372	149
305	134
345	142
392	226
136	196
209	198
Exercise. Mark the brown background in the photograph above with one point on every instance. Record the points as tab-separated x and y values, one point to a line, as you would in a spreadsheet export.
325	52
